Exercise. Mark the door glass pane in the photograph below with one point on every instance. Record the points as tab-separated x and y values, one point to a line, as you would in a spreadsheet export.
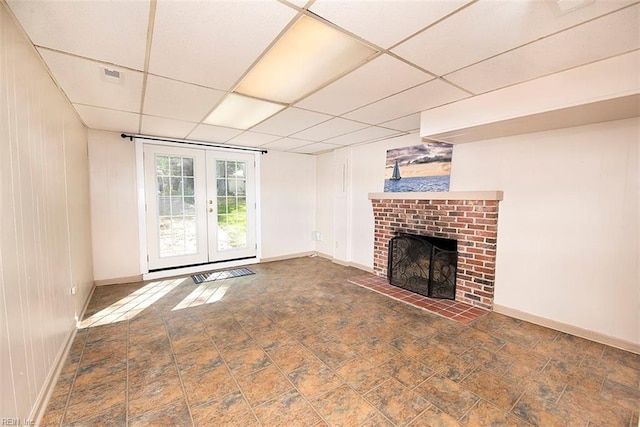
176	206
231	204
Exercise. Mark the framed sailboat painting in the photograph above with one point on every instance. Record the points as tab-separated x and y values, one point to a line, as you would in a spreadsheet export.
425	167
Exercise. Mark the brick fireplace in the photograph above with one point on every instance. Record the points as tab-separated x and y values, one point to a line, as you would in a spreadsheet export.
471	218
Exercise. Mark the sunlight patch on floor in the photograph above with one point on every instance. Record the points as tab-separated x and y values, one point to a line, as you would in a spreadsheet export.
129	306
206	293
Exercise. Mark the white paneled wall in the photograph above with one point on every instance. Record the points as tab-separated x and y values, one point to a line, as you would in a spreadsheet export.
45	246
114	208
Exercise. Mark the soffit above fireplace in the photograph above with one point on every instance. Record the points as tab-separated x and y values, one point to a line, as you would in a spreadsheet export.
445	195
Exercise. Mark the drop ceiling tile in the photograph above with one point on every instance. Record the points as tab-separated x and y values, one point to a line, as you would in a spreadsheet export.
381	77
83	82
92	29
213	133
488	28
178	100
314	148
285	144
362	135
290	120
105	119
608	36
169	128
406	123
379	22
252	139
329	129
423	97
212	43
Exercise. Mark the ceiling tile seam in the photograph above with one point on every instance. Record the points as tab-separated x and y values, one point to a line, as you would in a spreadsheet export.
549	74
147	54
106	108
433	24
308	127
364	140
291	5
377	139
447	81
402	117
540	39
280	139
199	85
382	99
34	48
384	138
86	58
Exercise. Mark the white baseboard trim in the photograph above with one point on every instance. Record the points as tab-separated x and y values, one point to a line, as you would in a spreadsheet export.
289	256
346	263
118	280
42	401
570	329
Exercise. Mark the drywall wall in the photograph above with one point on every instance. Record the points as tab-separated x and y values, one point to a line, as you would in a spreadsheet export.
45	247
114	206
344	215
287	200
568	224
324	204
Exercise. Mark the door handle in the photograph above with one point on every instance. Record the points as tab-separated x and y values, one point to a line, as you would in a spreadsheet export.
210	210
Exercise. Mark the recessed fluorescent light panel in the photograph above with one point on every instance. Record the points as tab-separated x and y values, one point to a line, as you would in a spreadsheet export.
309	55
241	112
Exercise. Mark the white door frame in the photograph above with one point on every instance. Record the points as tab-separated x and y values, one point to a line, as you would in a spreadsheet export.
142	222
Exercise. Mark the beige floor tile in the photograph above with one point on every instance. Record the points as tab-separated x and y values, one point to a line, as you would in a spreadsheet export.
297	344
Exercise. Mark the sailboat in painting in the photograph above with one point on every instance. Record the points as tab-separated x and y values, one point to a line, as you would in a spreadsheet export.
396	172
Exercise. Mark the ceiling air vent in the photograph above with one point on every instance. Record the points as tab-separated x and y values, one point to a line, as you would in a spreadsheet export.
111	75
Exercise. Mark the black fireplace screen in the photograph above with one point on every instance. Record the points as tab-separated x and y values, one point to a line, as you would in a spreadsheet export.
424	265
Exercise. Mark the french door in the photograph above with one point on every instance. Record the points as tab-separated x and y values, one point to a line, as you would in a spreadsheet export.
200	206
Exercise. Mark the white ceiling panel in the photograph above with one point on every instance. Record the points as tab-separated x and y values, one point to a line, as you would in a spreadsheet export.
407	123
290	120
83	82
367	134
604	37
299	3
488	28
177	100
105	119
213	133
285	144
329	129
86	28
165	127
252	139
375	80
316	147
379	22
423	97
213	42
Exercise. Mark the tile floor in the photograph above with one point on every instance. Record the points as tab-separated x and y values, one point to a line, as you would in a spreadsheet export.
458	311
296	344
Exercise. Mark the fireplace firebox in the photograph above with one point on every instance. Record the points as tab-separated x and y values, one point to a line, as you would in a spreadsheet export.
423	264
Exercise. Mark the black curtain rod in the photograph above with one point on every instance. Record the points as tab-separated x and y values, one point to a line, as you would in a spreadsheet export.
202	144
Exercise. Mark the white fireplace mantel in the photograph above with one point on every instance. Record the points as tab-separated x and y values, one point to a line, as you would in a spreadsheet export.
445	195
